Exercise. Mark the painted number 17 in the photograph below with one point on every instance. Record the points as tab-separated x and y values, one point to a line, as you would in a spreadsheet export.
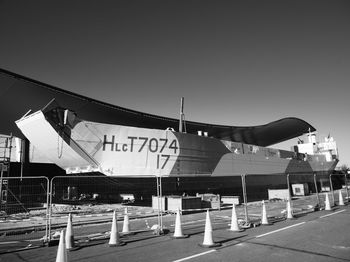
162	160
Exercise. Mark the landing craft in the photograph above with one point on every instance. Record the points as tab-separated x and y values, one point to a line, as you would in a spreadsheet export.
187	162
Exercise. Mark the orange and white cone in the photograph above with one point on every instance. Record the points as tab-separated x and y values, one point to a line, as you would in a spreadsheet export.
234	221
208	233
264	220
178	229
341	200
69	234
126	227
61	251
327	203
114	237
289	210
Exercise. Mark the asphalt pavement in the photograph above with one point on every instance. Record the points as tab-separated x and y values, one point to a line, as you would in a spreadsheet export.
310	236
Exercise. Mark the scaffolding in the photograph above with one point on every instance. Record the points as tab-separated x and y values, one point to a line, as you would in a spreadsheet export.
5	159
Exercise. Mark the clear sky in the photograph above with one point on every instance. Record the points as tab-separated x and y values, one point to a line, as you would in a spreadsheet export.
235	62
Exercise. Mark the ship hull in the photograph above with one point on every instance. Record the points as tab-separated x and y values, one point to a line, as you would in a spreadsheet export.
187	163
125	151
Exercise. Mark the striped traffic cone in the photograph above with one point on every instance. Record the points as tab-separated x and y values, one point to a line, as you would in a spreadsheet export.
126	227
61	251
327	203
114	237
234	221
264	220
69	234
208	234
289	210
341	200
178	229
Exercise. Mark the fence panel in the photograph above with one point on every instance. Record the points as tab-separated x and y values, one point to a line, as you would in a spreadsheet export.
23	212
91	201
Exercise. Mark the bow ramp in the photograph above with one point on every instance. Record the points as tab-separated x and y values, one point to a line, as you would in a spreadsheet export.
57	145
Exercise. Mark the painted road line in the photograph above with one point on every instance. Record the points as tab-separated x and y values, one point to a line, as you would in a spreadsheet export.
9	242
333	213
197	255
281	229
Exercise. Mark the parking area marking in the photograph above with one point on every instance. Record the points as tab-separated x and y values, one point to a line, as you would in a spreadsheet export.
284	228
281	229
197	255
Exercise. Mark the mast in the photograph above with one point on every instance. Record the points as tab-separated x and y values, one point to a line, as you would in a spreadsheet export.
182	117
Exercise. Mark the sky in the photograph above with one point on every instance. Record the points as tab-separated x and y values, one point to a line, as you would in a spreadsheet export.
237	63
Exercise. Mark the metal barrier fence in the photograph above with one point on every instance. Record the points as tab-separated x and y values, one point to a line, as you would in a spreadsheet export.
36	209
92	199
24	199
313	184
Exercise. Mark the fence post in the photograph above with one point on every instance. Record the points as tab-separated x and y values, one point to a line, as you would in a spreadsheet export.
161	203
331	185
50	208
244	187
318	197
288	185
346	186
47	226
159	197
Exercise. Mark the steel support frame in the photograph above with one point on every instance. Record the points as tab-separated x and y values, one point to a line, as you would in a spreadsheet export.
245	201
317	195
160	206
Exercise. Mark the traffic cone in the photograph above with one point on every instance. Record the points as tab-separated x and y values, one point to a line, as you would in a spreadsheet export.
264	220
178	230
327	203
69	234
61	251
289	210
126	228
208	234
234	222
114	237
341	200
